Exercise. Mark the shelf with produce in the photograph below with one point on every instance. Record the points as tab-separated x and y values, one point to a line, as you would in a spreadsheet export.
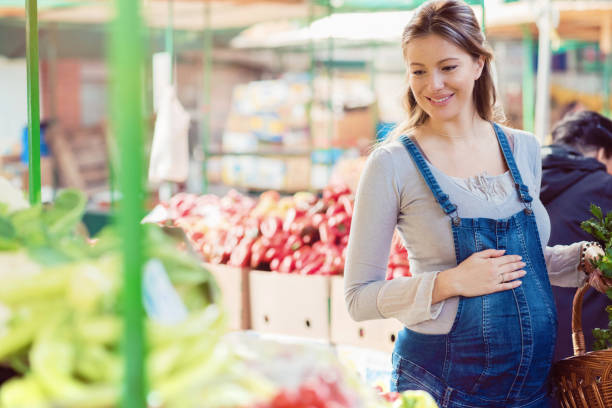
293	249
291	116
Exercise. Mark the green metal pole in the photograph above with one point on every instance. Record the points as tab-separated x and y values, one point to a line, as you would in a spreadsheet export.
33	101
207	88
126	70
528	81
606	84
483	24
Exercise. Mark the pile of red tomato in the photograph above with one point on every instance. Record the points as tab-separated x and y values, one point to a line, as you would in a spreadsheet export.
303	234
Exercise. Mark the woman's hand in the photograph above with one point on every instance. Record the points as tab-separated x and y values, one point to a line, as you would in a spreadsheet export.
596	278
482	273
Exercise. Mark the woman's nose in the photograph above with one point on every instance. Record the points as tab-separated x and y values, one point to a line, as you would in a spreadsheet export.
436	81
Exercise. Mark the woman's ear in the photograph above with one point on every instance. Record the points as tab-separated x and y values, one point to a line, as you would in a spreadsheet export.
480	61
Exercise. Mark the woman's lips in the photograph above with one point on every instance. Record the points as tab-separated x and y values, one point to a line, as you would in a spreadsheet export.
443	101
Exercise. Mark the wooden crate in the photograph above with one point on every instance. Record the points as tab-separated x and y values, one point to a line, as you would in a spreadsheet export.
234	284
290	304
81	157
375	334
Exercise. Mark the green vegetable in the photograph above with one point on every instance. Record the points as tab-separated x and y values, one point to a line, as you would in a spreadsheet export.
601	228
61	326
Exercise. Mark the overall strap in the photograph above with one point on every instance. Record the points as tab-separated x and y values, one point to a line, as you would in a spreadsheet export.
522	189
442	198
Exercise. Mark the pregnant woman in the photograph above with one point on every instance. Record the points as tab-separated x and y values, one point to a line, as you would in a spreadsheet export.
462	192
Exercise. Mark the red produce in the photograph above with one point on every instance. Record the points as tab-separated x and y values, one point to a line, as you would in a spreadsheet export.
196	236
401	271
271	253
293	214
344	241
326	234
334	209
241	255
251	227
231	242
320	207
293	243
259	248
182	204
310	234
272	195
270	226
317	219
287	265
332	193
347	203
302	256
313	266
275	264
340	224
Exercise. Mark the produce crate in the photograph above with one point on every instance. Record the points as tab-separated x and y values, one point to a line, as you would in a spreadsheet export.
290	304
234	284
373	334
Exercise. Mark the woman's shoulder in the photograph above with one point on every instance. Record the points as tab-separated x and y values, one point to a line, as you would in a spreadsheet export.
521	137
392	151
393	157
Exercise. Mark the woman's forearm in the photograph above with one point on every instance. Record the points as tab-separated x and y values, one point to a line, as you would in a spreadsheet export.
444	286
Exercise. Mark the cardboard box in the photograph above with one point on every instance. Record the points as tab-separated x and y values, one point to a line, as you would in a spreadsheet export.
234	284
290	304
374	334
355	128
297	175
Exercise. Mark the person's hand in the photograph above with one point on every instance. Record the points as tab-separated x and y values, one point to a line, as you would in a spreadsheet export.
595	276
487	272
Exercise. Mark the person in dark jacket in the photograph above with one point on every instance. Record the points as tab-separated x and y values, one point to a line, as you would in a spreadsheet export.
577	171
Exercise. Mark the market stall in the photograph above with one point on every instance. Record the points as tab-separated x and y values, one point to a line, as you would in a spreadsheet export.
76	332
205	300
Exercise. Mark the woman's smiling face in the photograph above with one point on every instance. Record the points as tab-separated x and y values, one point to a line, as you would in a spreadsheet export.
441	77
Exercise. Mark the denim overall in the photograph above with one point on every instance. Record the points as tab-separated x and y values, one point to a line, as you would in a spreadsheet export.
499	350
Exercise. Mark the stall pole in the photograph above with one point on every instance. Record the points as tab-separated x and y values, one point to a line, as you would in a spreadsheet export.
207	59
605	44
542	108
528	83
311	75
126	105
330	81
166	188
483	23
606	84
33	101
170	38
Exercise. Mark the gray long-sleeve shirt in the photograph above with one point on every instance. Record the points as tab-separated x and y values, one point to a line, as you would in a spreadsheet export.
392	194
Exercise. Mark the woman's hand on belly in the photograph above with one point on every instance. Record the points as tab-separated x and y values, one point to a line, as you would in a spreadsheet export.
481	273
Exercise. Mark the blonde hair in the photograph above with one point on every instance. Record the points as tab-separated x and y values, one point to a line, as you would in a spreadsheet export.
454	21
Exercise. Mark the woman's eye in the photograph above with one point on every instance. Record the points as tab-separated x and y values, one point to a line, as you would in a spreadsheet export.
449	68
418	72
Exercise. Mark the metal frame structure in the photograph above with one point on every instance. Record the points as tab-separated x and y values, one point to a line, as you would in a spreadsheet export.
34	175
126	62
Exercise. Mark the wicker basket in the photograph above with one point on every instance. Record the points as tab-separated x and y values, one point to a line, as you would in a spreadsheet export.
584	380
